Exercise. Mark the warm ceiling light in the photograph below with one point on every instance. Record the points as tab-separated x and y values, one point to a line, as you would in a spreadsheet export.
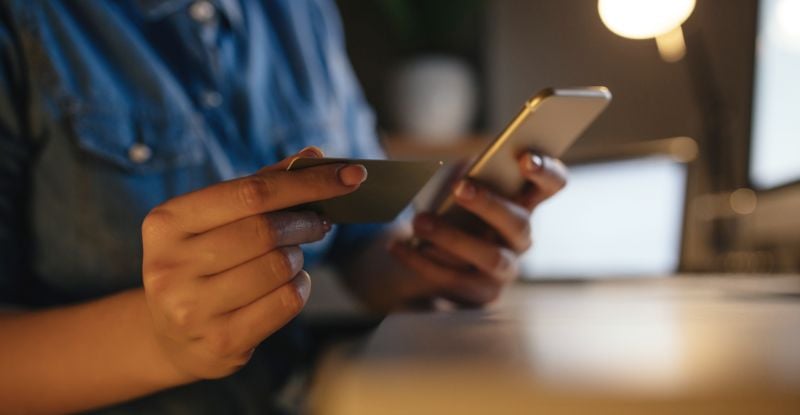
644	19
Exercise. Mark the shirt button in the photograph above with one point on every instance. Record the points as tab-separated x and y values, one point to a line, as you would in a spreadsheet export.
211	99
139	153
202	11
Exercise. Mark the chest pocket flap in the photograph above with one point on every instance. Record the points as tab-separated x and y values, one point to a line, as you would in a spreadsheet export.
139	142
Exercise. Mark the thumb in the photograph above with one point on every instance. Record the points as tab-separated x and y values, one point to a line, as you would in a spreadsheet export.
308	152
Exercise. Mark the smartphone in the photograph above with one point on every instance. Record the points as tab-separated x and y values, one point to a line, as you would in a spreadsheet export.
547	124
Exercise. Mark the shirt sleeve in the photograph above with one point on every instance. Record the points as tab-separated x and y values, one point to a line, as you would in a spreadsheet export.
15	157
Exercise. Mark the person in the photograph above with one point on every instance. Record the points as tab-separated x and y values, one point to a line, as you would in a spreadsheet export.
149	263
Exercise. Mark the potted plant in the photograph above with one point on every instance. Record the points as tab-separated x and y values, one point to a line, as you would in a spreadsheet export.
433	91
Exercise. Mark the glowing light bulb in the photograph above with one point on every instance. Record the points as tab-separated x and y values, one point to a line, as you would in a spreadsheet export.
787	14
644	19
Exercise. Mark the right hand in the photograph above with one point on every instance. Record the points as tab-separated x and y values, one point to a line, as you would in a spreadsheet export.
222	267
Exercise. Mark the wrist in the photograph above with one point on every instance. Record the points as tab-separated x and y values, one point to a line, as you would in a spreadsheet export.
164	357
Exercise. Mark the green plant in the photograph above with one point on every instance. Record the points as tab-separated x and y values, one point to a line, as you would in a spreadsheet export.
432	25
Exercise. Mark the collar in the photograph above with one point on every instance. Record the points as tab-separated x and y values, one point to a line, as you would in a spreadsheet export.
158	9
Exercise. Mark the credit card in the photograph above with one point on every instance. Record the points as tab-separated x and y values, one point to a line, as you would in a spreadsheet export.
390	187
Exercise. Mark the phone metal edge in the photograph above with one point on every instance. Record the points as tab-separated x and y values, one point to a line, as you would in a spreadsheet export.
529	106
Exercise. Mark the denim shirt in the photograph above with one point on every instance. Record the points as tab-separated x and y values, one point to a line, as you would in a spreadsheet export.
110	107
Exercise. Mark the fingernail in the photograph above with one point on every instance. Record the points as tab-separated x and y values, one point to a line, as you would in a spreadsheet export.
465	190
311	151
303	284
353	174
424	223
535	163
326	225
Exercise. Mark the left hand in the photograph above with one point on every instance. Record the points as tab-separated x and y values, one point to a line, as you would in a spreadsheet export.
470	269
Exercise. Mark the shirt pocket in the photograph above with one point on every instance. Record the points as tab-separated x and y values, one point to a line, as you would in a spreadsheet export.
137	141
326	131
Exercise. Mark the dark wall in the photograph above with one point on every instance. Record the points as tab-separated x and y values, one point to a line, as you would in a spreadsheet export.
370	47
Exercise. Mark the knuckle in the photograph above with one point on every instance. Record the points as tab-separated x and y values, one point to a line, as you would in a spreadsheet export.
254	191
156	222
156	278
182	314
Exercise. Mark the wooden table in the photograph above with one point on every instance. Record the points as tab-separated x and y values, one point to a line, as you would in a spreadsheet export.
672	345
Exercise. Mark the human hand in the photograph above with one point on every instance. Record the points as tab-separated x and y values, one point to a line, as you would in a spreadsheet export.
472	269
222	267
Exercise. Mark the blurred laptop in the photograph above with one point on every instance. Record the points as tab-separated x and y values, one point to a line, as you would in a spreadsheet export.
619	218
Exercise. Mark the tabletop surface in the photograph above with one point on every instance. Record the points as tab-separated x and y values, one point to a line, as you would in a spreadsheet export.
669	345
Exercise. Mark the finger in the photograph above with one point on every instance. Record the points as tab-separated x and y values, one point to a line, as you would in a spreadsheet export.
251	324
435	279
495	261
441	257
158	223
240	286
509	219
227	202
546	175
238	242
308	152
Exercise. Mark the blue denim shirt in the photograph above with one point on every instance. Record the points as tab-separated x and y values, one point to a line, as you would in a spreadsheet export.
108	108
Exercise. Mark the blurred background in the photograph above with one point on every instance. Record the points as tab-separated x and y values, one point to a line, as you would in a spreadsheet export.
694	168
